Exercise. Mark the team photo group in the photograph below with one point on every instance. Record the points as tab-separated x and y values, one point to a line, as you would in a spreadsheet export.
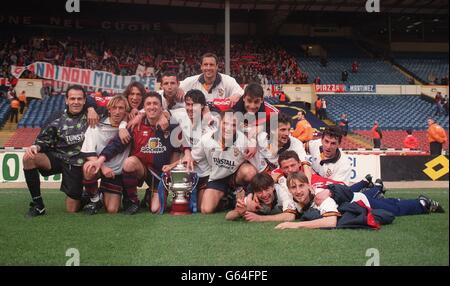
243	155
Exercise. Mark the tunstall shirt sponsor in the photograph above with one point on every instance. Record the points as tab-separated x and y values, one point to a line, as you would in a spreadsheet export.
224	163
64	136
221	162
74	139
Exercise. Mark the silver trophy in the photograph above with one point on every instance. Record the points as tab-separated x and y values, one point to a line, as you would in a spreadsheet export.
180	183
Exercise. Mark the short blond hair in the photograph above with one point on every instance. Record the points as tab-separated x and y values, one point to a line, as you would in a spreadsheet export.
116	99
300	176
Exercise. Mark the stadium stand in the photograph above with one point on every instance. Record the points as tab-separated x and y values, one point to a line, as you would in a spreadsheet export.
370	71
23	137
429	68
40	110
341	53
396	114
392	112
274	61
350	142
251	60
394	139
4	111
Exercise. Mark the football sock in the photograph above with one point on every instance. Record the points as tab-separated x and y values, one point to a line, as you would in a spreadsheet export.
34	186
91	187
130	183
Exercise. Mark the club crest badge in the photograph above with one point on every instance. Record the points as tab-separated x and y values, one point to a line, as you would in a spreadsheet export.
221	92
153	146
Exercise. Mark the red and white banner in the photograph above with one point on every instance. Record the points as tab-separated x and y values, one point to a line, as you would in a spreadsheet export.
17	71
84	77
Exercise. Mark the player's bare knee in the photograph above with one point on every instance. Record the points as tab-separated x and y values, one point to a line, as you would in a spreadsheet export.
71	208
207	209
28	163
130	164
155	207
112	209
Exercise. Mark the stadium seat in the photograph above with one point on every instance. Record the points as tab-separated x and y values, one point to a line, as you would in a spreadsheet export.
23	137
40	110
423	65
341	53
394	138
4	111
393	112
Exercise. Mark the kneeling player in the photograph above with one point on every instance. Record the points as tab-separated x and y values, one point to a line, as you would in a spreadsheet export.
57	151
224	154
110	173
151	152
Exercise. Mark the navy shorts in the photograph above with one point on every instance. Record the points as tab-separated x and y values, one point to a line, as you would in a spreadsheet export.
224	185
202	183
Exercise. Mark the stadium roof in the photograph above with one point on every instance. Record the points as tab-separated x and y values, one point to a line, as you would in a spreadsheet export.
387	6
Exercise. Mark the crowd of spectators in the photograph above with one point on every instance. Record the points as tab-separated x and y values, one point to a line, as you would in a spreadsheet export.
251	60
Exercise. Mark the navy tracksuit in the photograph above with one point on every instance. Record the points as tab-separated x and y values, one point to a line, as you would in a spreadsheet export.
397	207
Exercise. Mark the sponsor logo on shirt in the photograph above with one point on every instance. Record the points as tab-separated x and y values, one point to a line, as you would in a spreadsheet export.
153	146
224	163
221	92
74	139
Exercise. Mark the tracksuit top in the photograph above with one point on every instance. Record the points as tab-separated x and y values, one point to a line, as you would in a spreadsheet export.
63	135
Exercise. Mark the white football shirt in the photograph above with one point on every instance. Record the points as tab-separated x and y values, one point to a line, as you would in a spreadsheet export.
228	86
221	162
96	139
338	171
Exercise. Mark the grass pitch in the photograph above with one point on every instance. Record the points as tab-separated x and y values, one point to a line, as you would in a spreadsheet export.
146	239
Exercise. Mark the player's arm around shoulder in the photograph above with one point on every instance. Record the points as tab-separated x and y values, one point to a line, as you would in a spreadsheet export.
115	147
186	84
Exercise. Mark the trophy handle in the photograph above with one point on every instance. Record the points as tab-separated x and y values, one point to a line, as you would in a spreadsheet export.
164	180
